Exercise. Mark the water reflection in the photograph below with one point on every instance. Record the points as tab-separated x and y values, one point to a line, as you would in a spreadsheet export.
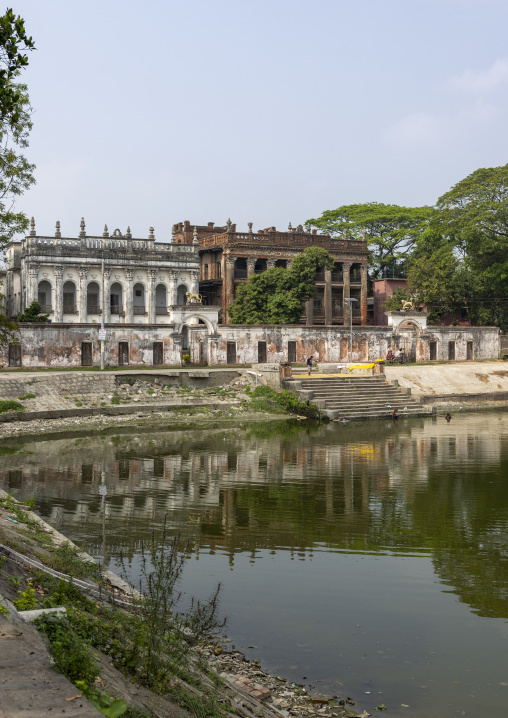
421	486
424	497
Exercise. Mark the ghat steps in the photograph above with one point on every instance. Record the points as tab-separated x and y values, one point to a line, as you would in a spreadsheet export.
357	397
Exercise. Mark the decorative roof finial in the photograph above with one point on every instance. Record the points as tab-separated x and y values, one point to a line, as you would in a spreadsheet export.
58	234
173	234
32	227
249	225
128	233
82	225
228	225
195	239
290	227
345	233
106	232
151	235
364	234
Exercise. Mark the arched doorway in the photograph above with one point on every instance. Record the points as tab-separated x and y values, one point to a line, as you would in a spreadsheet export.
69	298
116	298
138	299
408	333
185	339
161	299
92	298
44	296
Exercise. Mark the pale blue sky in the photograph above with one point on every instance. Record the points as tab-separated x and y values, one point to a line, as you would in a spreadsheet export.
267	111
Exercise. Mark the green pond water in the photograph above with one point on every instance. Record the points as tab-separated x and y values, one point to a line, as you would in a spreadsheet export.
367	560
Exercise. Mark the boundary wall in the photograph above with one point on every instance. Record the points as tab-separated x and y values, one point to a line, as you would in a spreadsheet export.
63	345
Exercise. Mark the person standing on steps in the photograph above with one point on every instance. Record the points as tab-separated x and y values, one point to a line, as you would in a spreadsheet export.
309	365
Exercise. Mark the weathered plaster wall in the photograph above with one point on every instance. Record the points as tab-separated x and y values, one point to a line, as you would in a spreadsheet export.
60	345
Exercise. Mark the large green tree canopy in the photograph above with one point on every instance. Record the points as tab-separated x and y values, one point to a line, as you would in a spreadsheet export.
392	231
278	295
473	215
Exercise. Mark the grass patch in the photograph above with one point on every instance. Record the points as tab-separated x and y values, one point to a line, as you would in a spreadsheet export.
115	400
268	400
10	405
26	396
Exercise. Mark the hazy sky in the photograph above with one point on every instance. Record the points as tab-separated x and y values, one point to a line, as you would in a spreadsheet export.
270	111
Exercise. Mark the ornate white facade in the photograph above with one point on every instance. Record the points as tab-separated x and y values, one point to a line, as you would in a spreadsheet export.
142	281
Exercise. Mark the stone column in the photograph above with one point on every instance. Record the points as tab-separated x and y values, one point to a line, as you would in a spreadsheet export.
270	263
363	295
309	311
106	300
129	273
251	263
346	270
194	275
328	296
173	279
151	296
58	298
33	273
228	285
82	271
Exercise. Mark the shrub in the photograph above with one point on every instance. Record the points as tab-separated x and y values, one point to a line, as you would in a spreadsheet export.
10	405
266	399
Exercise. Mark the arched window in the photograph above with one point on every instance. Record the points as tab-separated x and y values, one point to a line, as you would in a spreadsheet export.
116	298
161	299
185	338
180	294
44	296
138	303
92	298
69	298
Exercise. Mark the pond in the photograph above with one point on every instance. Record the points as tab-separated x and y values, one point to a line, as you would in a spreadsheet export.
368	559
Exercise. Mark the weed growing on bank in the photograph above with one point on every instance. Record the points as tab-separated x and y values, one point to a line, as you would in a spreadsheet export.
268	400
152	643
10	405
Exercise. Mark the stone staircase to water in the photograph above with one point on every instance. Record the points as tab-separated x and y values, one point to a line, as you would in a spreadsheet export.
357	397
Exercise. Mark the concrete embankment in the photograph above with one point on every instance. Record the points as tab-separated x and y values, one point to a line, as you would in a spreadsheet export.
457	382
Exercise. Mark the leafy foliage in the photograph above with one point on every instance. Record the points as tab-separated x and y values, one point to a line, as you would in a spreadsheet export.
266	399
105	704
27	599
392	231
278	295
15	124
33	313
70	652
10	405
13	42
8	330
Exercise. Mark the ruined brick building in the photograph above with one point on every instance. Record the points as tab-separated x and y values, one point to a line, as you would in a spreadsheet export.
227	258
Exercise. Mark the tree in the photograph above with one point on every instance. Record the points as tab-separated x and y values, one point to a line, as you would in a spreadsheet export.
392	231
15	170
278	295
33	314
15	124
13	42
474	215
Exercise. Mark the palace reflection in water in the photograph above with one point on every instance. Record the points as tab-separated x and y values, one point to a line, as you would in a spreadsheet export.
419	486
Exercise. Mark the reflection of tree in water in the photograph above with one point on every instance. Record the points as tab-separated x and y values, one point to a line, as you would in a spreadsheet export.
469	534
